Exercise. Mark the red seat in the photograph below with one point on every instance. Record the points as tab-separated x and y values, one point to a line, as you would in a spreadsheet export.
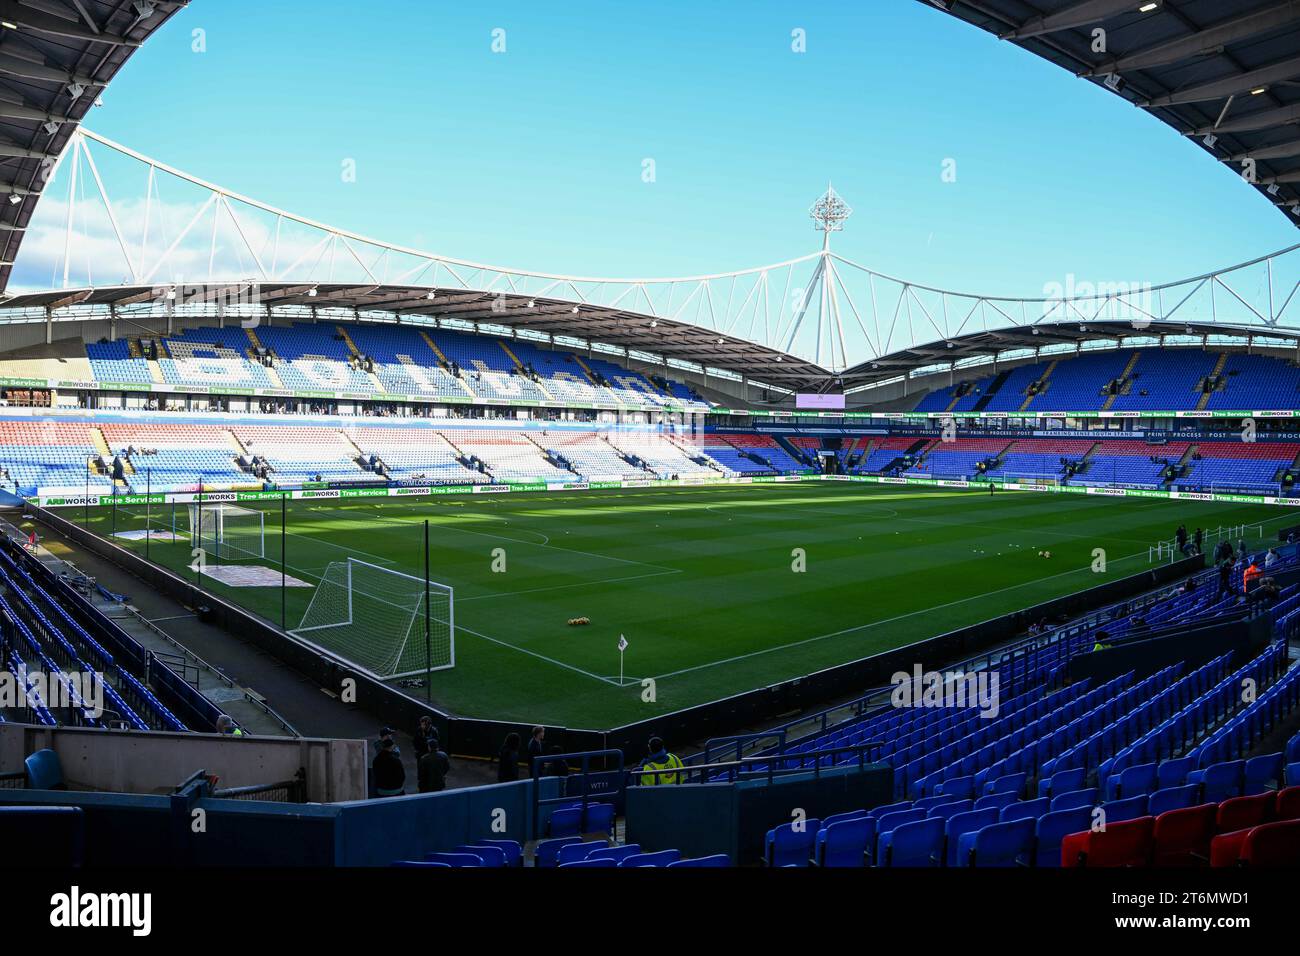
1128	843
1288	804
1225	849
1182	837
1122	844
1240	813
1074	849
1273	844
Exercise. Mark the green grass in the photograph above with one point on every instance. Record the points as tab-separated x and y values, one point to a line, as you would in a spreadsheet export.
700	580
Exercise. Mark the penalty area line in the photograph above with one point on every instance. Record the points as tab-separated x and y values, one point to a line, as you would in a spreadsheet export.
540	657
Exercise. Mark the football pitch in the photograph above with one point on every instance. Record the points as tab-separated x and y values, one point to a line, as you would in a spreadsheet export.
717	590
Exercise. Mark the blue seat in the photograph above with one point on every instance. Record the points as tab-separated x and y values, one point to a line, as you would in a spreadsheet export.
879	812
492	856
1293	774
601	863
511	848
919	843
792	843
564	822
600	818
454	859
1262	774
841	817
615	853
1063	781
1009	783
1173	772
44	772
662	858
957	787
1117	811
964	823
1002	844
946	810
546	851
1024	810
1293	749
845	843
1075	798
1173	798
1132	781
1219	781
717	860
573	852
1053	827
888	822
995	801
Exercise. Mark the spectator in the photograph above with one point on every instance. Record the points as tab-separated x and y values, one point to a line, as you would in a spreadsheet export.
508	759
425	737
556	768
1225	578
1198	539
390	775
432	769
1270	559
1248	579
661	759
227	727
535	745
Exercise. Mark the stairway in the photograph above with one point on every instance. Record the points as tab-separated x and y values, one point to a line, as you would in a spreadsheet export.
433	347
155	370
519	366
100	442
357	355
1046	380
1123	382
1218	370
994	387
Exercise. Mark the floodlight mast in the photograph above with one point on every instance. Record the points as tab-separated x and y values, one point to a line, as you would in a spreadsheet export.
828	214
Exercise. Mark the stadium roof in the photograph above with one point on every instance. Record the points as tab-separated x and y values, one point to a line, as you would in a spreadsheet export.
990	343
1225	73
632	330
56	56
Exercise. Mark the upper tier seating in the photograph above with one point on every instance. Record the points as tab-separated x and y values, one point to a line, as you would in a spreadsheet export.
1157	380
403	360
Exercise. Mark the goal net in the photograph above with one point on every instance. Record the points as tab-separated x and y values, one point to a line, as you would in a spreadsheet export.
228	532
376	618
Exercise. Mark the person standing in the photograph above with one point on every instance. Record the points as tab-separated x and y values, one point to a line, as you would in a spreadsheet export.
508	759
432	769
390	775
425	737
536	747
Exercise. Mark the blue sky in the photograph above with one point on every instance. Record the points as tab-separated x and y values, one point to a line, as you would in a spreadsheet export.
533	157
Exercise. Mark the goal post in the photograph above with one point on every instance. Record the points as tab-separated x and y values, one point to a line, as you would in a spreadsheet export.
376	617
230	532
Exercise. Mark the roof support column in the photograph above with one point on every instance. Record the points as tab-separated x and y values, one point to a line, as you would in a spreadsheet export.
49	325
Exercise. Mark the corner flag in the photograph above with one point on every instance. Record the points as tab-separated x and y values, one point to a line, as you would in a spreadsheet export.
622	643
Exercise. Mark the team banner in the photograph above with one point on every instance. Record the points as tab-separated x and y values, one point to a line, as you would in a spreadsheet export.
347	494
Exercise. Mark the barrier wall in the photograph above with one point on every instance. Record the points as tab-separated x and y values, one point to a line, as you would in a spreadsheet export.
137	830
733	818
157	761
